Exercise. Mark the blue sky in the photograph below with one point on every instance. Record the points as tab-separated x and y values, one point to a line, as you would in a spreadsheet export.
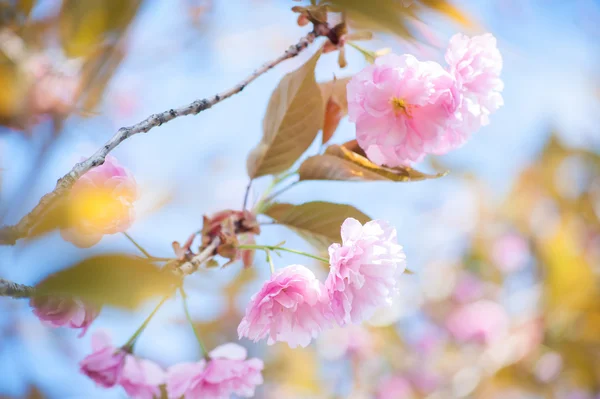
551	59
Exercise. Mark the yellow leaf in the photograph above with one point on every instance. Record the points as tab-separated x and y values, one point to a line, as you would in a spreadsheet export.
570	284
391	15
85	25
293	119
317	222
341	163
117	280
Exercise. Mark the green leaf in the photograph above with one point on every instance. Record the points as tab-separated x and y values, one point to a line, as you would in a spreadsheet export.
116	279
341	163
317	222
294	117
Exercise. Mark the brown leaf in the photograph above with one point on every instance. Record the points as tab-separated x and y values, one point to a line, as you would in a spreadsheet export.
336	89
340	163
336	106
294	117
115	279
333	115
317	222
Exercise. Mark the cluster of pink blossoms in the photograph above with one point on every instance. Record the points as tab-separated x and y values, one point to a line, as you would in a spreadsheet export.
404	108
100	202
226	372
294	307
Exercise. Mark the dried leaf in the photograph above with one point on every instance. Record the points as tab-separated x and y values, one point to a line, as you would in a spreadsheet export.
336	106
340	163
336	89
293	119
115	279
317	222
333	115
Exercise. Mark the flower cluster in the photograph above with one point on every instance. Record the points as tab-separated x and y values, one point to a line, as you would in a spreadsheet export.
227	372
294	306
404	108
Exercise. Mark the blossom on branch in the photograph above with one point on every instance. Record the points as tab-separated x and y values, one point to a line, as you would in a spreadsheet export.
141	378
57	311
364	270
226	373
292	306
105	365
475	63
100	202
402	108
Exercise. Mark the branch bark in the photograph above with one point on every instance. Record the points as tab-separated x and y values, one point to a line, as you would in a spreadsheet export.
8	288
189	266
10	234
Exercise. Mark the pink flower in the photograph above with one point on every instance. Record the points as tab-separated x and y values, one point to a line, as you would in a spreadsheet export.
105	364
395	387
141	378
100	202
364	270
476	64
353	341
483	321
64	312
291	307
510	252
402	108
468	288
226	373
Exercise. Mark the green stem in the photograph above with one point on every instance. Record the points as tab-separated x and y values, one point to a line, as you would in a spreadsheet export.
189	318
270	260
277	248
138	246
128	347
271	197
264	200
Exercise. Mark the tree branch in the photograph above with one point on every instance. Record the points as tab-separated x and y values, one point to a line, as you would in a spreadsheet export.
189	266
8	288
10	234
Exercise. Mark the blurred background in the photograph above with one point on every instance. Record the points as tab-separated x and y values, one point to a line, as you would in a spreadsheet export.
505	298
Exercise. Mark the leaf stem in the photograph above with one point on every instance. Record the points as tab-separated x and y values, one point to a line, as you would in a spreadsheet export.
271	197
128	347
278	248
246	194
270	260
138	246
189	319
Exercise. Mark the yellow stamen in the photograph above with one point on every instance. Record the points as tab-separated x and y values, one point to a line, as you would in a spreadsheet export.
400	105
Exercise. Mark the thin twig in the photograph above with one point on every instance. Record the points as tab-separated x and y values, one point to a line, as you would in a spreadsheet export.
279	192
138	246
10	234
189	319
190	266
8	288
246	195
